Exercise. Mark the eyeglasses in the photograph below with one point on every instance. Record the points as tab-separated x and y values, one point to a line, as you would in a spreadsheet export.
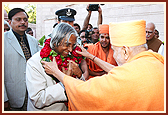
6	29
149	32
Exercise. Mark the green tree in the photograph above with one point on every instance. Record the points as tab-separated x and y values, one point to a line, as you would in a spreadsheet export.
31	11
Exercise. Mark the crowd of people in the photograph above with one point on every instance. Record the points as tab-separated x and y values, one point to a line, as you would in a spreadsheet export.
111	67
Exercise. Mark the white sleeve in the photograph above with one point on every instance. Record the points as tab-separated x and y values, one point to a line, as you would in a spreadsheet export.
42	90
161	50
5	94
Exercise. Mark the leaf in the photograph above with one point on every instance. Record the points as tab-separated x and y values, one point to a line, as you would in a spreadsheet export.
41	40
48	59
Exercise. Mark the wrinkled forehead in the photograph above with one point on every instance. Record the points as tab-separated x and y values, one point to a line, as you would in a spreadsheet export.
150	26
69	39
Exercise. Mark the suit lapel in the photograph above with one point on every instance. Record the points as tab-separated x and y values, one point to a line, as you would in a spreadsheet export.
15	44
30	42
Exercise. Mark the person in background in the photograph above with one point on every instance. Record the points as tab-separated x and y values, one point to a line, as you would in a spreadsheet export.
6	26
95	35
29	31
77	27
102	50
156	33
87	19
66	15
153	43
136	84
5	16
89	27
93	31
18	48
83	34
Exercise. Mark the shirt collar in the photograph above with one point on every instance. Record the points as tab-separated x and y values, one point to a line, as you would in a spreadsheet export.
17	35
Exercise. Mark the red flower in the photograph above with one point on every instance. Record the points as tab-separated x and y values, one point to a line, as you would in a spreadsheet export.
68	58
80	59
59	62
64	64
51	58
74	53
78	48
48	41
45	52
57	57
75	59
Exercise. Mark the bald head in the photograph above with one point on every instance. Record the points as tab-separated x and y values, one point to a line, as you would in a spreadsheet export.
150	31
151	25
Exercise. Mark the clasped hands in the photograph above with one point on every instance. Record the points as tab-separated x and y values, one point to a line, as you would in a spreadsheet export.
51	68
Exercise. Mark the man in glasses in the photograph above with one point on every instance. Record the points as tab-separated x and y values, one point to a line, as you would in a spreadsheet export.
152	42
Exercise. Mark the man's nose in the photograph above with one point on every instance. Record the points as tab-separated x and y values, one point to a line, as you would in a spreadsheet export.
70	48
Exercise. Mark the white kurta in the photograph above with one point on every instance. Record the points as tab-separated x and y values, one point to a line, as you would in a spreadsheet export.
43	92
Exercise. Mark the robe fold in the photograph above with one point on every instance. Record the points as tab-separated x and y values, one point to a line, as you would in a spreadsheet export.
137	85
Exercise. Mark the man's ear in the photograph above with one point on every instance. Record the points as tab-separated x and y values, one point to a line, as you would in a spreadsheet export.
9	21
126	51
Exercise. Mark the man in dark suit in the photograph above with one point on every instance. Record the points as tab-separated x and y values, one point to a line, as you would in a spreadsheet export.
18	48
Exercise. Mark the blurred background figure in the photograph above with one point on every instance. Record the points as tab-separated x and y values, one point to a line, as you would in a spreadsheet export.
76	27
5	16
84	37
29	31
153	43
156	33
6	26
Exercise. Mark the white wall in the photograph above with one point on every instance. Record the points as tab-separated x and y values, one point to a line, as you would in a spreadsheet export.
112	12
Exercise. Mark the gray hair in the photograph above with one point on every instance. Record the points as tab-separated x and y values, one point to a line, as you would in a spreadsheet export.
62	31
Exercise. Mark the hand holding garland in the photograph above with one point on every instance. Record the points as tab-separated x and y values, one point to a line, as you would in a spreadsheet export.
52	69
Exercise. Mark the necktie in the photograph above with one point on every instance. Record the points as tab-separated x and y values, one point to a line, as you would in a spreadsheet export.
24	48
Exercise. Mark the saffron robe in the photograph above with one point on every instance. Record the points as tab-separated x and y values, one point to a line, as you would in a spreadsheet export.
97	51
137	85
